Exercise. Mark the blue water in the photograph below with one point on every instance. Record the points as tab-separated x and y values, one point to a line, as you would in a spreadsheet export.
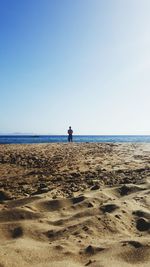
35	139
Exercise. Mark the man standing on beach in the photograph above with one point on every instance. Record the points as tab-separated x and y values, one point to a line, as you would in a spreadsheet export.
70	132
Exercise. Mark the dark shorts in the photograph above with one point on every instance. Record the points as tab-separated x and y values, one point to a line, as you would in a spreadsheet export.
70	138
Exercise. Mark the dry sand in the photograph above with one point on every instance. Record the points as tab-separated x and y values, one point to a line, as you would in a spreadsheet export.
75	205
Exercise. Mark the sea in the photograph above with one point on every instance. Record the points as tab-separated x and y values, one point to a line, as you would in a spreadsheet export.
37	139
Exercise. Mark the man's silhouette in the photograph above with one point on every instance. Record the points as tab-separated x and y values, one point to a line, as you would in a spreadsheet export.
70	132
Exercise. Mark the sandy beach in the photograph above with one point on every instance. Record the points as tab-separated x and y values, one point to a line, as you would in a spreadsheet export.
70	205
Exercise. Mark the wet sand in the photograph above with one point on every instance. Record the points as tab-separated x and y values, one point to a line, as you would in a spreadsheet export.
75	204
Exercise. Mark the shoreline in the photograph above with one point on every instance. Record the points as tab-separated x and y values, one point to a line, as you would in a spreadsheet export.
32	139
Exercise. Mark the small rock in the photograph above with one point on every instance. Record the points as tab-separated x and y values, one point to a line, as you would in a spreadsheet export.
88	263
90	205
142	224
135	244
17	232
42	185
89	250
95	187
109	207
117	216
4	195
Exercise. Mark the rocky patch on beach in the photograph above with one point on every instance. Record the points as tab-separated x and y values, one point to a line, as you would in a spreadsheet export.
65	169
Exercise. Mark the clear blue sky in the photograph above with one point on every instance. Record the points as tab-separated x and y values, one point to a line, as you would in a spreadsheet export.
84	63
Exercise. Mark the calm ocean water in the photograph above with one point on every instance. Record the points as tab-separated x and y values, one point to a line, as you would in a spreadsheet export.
35	139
